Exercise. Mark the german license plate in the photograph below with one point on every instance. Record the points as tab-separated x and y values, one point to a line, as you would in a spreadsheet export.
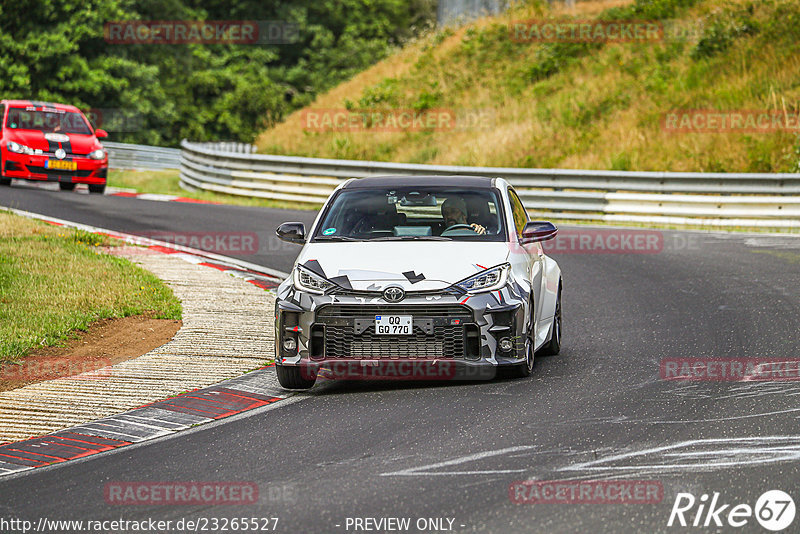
394	325
61	165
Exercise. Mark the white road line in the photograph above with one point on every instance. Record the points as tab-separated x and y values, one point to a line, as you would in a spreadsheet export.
716	419
733	452
416	471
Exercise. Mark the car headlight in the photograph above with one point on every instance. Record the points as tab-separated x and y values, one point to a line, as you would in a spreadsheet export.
98	154
488	280
308	281
19	149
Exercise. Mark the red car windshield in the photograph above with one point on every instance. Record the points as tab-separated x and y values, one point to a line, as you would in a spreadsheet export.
47	120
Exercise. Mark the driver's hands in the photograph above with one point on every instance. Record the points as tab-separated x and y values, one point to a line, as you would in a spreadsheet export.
480	230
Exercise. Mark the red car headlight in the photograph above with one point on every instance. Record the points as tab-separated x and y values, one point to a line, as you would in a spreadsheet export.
19	149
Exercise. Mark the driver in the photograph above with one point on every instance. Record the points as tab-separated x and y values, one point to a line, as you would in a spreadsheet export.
454	211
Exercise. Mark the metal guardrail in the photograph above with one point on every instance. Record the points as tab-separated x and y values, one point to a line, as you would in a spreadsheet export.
708	199
129	156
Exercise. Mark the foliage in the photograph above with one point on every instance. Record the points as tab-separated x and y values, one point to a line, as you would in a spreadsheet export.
54	50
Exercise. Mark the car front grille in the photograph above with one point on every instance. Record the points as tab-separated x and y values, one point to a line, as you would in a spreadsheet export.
447	336
59	172
369	310
446	342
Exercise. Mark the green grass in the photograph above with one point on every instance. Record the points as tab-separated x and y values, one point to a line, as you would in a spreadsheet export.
55	281
167	183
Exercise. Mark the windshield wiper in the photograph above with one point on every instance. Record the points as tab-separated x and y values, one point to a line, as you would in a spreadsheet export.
412	238
335	238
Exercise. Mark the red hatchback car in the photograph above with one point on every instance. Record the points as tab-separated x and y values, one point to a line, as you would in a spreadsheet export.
51	142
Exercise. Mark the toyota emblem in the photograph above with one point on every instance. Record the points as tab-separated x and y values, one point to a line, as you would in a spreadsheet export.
61	153
394	294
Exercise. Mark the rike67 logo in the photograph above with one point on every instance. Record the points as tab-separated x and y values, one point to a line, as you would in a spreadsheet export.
774	510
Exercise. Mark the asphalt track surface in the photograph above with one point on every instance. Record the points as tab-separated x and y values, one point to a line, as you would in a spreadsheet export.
599	410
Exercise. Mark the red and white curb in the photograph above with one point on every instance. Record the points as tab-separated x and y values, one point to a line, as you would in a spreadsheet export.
157	197
231	397
253	390
114	192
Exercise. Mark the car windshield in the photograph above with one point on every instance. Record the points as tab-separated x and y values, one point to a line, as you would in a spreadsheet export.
47	120
419	213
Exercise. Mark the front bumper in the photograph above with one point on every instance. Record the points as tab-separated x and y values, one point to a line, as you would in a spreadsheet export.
26	167
459	333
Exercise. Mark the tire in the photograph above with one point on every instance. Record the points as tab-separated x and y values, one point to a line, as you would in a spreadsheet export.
5	181
553	346
294	377
66	186
97	188
524	370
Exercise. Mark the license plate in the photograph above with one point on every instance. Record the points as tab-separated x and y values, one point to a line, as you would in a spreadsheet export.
394	325
61	165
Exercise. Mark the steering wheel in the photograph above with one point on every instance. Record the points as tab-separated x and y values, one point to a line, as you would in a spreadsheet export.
459	226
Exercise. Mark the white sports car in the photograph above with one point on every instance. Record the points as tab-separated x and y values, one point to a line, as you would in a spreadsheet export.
400	275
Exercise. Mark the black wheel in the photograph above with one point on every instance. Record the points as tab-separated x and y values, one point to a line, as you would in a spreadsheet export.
5	181
295	377
97	188
525	369
66	186
553	346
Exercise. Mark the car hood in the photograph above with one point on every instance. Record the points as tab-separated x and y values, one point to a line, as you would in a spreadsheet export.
414	266
80	144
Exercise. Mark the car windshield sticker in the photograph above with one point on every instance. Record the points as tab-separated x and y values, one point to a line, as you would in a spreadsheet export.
329	231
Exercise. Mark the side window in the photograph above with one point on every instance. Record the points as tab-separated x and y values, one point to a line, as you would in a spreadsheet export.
517	211
2	116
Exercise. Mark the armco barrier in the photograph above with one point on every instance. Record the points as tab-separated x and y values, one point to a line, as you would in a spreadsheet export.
709	199
128	156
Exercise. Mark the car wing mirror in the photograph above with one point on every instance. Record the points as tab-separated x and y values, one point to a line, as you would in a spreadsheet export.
100	134
292	232
536	231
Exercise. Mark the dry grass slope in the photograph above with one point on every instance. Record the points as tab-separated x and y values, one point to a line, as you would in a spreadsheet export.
574	105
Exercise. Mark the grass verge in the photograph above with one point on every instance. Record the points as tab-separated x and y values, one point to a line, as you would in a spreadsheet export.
54	281
167	183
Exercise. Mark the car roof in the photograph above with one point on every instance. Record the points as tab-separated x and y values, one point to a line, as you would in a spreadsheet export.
39	104
382	182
